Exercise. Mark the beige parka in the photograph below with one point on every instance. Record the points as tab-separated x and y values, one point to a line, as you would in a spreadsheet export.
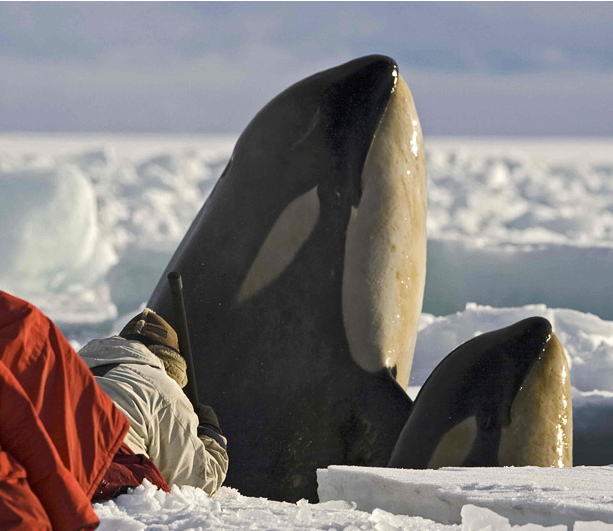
163	424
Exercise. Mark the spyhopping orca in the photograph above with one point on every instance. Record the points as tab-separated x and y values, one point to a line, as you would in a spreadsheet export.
305	273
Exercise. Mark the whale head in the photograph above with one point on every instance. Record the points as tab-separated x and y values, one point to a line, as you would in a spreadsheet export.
500	399
304	275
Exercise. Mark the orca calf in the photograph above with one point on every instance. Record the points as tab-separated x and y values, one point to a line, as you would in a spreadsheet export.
304	275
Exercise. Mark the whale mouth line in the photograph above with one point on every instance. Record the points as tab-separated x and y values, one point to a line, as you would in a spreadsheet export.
377	130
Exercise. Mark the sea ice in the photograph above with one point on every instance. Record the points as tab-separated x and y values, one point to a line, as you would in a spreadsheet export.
480	519
50	232
522	495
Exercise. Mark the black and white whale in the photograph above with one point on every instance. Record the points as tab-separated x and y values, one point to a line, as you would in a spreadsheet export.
305	271
500	399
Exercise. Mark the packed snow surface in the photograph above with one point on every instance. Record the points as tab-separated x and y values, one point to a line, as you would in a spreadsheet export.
516	228
523	495
464	500
190	508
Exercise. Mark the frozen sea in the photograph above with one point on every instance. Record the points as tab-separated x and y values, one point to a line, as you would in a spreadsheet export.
516	227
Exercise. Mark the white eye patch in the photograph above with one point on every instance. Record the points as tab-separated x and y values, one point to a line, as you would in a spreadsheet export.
283	242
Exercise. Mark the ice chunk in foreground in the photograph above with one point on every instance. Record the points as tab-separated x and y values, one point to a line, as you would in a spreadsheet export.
189	508
480	519
522	495
592	526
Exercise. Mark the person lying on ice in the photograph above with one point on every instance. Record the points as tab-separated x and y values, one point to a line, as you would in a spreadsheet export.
142	371
61	437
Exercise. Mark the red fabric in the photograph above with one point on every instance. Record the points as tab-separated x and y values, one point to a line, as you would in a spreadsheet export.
33	471
20	509
81	422
128	470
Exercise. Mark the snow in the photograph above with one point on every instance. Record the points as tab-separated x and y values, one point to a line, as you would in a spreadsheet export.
516	228
517	502
544	496
190	508
534	214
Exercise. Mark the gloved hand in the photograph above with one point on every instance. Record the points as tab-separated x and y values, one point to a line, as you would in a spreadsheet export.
208	424
207	418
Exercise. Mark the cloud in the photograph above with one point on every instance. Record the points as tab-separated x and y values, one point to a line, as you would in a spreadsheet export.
478	68
208	93
537	104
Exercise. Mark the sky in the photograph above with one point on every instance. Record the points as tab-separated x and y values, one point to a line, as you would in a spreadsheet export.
478	69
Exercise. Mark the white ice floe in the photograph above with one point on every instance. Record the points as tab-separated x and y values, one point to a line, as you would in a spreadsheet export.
510	223
89	223
51	238
544	496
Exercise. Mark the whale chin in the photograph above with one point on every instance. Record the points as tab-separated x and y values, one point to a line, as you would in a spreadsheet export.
540	432
385	253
